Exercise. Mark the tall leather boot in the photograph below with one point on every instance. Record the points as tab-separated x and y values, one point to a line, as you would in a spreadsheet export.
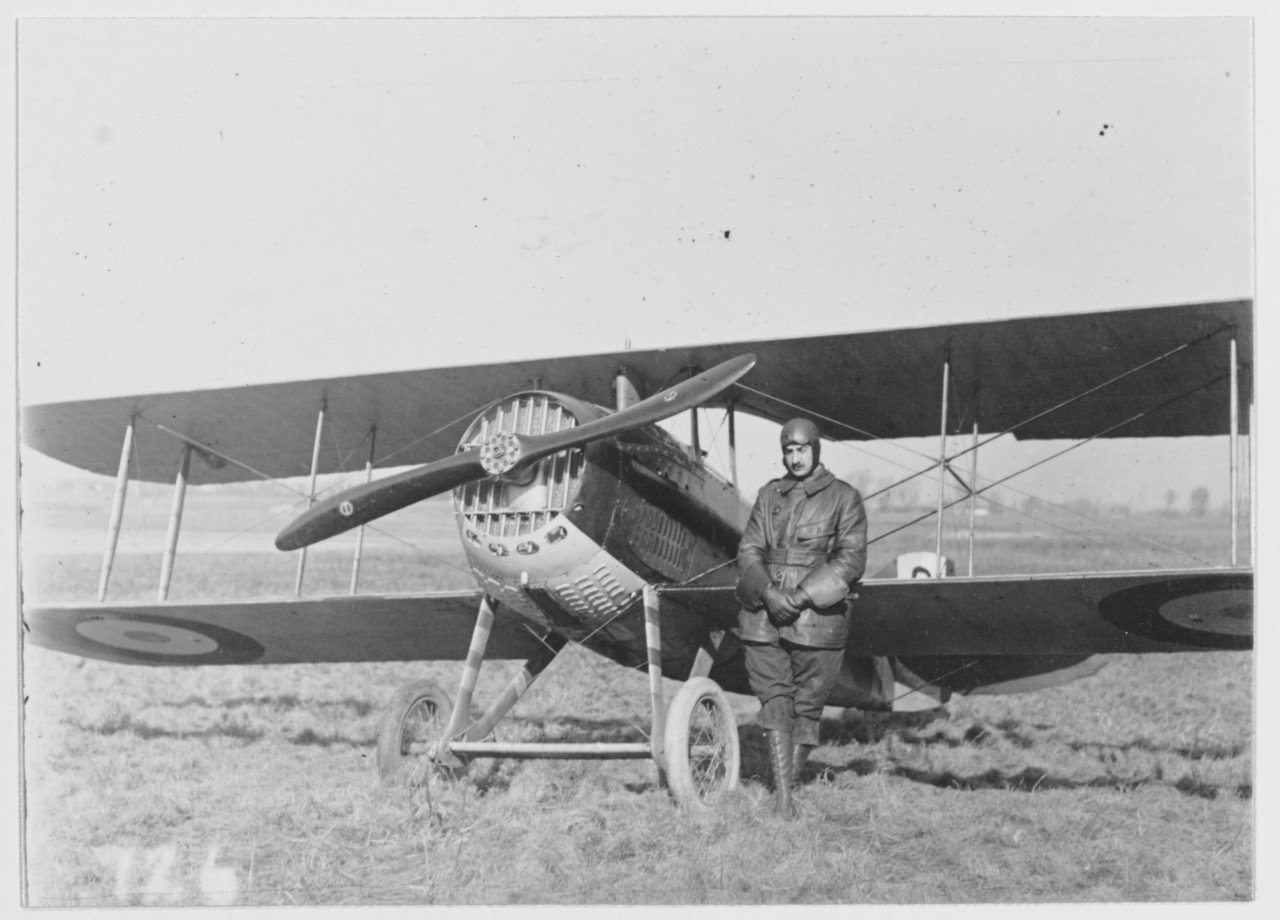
780	758
799	757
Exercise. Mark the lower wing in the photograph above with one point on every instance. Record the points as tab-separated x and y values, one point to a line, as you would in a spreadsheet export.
1133	612
422	627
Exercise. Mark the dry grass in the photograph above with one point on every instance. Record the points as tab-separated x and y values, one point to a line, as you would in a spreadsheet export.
257	785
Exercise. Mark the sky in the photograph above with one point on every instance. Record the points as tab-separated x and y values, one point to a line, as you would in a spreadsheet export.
212	202
209	202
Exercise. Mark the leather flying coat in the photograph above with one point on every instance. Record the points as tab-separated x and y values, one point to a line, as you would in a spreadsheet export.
810	533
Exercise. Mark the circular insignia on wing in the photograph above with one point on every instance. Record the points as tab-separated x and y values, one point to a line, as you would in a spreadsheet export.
1211	611
670	394
166	640
147	637
346	509
1218	612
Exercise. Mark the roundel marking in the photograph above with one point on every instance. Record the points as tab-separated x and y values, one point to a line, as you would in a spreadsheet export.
1213	611
670	394
167	640
346	509
147	637
1223	612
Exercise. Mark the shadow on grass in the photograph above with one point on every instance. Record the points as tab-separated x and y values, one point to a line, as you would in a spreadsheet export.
1033	779
1190	752
282	702
311	737
128	725
872	728
577	728
755	763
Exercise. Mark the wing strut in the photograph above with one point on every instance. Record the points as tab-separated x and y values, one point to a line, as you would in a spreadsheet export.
733	444
175	522
311	492
1235	452
695	434
942	454
368	477
973	495
117	511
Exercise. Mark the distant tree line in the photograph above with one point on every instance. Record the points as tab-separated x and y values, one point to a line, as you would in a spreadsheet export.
919	493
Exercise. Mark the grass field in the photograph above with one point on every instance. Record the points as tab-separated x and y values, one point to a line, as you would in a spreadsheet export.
257	785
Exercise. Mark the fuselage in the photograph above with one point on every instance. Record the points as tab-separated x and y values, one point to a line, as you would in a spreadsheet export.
571	542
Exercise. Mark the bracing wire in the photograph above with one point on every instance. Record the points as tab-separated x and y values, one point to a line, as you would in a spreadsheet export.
837	422
304	496
969	490
344	458
593	666
1073	446
1010	430
244	466
630	715
1114	531
147	506
933	683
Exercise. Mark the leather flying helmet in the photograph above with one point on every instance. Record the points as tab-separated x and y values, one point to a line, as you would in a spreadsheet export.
802	431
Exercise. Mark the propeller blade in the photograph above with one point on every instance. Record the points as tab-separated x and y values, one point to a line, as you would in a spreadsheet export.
500	454
507	451
372	500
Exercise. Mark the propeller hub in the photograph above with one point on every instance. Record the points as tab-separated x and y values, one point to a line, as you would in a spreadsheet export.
500	453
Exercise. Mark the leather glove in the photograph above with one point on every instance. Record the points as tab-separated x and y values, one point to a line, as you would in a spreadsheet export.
777	603
799	598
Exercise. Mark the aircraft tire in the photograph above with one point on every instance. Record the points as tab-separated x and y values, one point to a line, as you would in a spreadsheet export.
701	743
414	722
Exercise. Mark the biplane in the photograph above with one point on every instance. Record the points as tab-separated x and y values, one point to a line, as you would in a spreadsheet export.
584	521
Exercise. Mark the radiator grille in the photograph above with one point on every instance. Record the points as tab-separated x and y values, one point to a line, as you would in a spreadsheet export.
510	508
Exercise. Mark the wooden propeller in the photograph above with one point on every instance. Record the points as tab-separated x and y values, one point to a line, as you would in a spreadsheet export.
501	454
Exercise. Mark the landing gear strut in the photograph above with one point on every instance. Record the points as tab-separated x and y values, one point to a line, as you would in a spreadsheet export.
694	742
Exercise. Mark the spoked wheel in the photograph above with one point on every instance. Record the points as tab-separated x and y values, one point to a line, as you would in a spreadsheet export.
413	726
701	744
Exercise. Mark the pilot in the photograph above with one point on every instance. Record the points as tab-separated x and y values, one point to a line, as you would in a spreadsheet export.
803	549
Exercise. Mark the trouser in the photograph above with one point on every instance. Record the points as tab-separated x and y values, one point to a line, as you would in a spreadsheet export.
792	683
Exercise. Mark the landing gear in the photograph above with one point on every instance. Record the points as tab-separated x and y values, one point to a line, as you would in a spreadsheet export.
694	742
412	729
701	744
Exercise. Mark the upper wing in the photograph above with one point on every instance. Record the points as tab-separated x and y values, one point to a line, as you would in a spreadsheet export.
423	627
885	383
1190	610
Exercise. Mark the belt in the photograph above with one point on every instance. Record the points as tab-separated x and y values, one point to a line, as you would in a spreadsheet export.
794	556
